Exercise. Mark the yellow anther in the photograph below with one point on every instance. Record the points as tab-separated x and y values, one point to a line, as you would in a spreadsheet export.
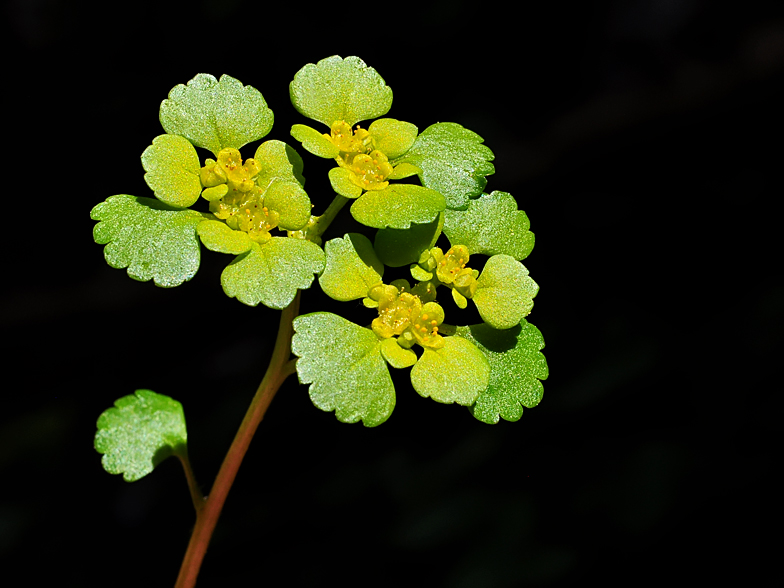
434	323
424	317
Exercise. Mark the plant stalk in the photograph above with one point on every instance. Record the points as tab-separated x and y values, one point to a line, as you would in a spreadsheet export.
280	367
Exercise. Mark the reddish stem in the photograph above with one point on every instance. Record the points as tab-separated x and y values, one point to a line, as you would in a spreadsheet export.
207	516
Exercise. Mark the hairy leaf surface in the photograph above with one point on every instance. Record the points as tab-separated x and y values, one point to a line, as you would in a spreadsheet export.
272	273
154	241
397	206
343	364
340	89
172	167
139	432
453	161
216	114
458	372
352	268
505	292
490	225
516	368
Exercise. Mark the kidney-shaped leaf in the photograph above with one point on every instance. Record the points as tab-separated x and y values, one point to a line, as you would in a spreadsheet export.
453	162
154	241
491	225
516	368
272	273
278	161
216	114
139	432
343	364
340	89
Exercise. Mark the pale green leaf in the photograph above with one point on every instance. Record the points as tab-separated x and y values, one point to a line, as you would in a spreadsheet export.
516	368
315	142
505	292
392	137
172	167
400	247
352	268
290	201
218	236
340	179
453	162
396	356
278	161
458	372
139	432
154	241
343	364
491	225
397	206
340	89
272	273
216	114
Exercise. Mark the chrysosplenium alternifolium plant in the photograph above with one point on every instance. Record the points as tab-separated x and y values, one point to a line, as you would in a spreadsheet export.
257	210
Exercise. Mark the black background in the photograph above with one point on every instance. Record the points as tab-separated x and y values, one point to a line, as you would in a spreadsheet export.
642	137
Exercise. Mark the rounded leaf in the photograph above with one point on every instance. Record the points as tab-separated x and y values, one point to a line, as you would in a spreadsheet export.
392	137
291	202
139	432
315	142
272	273
397	206
505	292
343	364
516	368
216	114
340	89
278	161
396	356
491	225
399	247
172	167
154	241
453	161
352	268
340	179
218	236
458	372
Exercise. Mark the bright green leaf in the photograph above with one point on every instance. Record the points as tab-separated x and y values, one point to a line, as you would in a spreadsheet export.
278	161
352	268
172	167
342	362
458	372
154	241
505	292
340	178
397	206
216	114
218	236
400	247
392	137
404	170
291	202
396	356
139	432
340	89
453	161
491	225
272	273
315	142
516	368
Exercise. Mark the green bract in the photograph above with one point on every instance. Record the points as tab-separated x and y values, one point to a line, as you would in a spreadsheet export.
139	433
340	89
343	364
216	114
505	293
154	241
